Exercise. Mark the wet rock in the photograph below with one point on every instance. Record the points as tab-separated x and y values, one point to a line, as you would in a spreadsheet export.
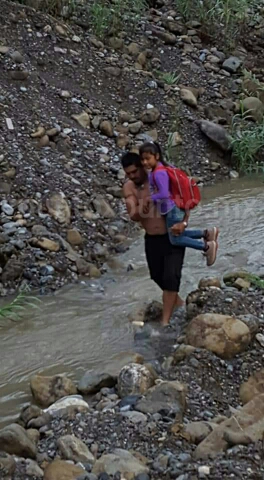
62	470
166	37
230	277
45	244
182	351
209	282
74	237
216	133
151	115
135	379
225	336
72	448
12	270
72	403
244	427
113	71
135	128
252	107
33	470
34	435
58	208
188	97
7	209
120	461
46	390
29	412
92	382
252	387
196	432
122	140
82	119
19	75
242	284
14	440
251	321
7	465
233	174
103	208
232	64
107	128
166	398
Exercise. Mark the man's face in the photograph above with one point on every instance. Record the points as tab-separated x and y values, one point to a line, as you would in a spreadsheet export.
136	174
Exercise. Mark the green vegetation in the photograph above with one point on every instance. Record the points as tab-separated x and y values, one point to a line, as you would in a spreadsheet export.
109	17
14	310
170	78
247	138
255	281
232	15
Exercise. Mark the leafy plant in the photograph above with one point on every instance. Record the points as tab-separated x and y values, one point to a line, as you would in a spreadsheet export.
247	139
170	78
110	17
15	309
255	280
230	14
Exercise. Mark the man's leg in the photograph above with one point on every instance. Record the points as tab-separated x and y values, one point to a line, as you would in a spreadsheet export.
172	268
170	299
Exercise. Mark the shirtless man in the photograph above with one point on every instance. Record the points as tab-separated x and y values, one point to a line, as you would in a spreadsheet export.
165	262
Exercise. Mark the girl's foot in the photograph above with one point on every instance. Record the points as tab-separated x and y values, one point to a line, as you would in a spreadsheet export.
211	235
211	253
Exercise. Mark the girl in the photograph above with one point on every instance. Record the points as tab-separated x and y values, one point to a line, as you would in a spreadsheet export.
203	240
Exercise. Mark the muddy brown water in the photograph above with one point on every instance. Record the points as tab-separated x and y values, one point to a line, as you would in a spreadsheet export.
85	327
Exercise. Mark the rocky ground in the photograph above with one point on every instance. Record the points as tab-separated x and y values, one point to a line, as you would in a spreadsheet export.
196	412
70	105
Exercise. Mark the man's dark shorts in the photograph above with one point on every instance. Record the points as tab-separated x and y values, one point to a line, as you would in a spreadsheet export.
165	262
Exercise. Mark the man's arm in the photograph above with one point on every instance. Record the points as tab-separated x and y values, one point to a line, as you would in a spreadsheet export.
131	203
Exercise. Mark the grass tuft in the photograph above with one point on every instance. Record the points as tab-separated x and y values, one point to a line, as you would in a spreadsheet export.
247	139
14	310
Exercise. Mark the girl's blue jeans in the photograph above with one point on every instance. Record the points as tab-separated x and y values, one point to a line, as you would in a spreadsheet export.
189	238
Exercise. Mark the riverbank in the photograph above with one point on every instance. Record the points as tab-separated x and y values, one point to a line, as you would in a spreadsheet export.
195	412
71	104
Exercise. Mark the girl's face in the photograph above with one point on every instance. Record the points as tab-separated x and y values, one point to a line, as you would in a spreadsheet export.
149	160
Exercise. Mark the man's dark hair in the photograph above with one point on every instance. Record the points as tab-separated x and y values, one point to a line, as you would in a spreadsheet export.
131	158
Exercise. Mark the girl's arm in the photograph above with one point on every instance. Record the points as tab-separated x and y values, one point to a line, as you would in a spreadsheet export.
160	180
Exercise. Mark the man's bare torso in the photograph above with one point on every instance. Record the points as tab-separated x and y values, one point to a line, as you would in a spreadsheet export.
152	222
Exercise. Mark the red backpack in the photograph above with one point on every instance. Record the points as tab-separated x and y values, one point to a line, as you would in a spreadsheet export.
184	190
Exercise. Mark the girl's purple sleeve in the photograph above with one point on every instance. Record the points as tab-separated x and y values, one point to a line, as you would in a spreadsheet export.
161	181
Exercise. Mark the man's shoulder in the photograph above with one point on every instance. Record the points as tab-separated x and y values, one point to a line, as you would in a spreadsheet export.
129	188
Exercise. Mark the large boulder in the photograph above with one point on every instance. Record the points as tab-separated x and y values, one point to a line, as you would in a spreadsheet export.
46	390
62	470
120	461
167	398
221	334
92	382
253	387
70	404
15	441
135	379
72	448
216	133
244	427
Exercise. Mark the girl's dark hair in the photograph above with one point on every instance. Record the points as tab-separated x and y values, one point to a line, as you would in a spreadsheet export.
154	149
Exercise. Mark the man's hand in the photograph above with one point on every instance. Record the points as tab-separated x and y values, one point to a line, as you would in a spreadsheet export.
145	206
177	228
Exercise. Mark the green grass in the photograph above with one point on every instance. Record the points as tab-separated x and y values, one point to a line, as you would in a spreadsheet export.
247	138
112	17
170	78
255	281
19	306
230	15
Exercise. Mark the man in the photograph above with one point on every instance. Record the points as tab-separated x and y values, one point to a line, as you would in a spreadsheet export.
165	261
